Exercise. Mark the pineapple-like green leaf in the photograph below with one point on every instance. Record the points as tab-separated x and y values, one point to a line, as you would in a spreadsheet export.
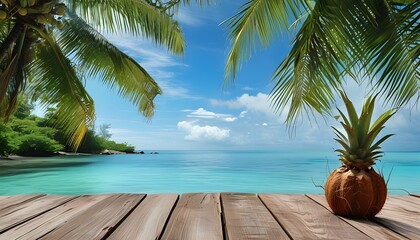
351	111
365	119
352	137
358	139
380	141
340	134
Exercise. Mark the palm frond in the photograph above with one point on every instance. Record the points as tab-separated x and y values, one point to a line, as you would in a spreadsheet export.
363	39
313	68
257	21
137	17
61	87
96	57
388	46
172	6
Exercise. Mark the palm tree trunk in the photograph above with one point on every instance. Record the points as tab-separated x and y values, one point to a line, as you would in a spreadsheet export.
8	43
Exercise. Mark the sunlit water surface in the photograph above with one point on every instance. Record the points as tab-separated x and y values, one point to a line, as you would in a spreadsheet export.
196	171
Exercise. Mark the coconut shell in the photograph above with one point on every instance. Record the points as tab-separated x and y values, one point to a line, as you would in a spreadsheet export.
355	193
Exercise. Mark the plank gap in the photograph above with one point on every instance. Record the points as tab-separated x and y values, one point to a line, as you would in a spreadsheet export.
388	228
274	216
388	233
112	229
168	218
415	195
223	218
196	216
31	197
247	218
20	222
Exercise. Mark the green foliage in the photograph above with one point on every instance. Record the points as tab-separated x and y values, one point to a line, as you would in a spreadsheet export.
23	109
121	147
91	143
359	149
9	141
32	135
37	142
46	47
361	39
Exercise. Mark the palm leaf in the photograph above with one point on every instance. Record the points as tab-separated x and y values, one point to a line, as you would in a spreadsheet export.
314	66
257	21
136	17
61	87
373	40
393	57
96	57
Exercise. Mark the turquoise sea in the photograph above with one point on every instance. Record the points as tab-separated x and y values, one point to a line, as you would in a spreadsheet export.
195	171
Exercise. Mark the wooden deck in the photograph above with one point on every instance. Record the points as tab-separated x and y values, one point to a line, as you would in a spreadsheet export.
198	216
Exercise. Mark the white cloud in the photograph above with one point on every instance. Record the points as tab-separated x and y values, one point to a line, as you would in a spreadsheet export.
198	133
230	119
255	104
202	113
195	16
187	17
264	125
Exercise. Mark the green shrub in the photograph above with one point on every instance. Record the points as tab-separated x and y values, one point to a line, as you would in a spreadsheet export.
37	142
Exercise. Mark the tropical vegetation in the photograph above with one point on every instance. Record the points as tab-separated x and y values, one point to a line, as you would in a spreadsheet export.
355	189
377	40
30	135
48	48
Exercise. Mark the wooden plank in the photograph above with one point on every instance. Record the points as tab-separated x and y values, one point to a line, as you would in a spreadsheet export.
409	198
17	214
97	221
196	216
41	225
8	201
246	217
372	229
148	219
302	218
401	216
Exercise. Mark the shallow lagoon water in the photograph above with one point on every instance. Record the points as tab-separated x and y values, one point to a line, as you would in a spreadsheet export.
196	171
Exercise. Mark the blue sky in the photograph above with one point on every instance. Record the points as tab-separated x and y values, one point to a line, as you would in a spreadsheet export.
198	112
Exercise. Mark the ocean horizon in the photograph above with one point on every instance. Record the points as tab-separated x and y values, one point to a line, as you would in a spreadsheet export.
181	171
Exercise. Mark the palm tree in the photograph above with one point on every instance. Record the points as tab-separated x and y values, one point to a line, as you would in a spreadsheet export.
364	39
49	46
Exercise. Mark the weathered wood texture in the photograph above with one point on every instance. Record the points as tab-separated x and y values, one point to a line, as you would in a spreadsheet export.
148	219
245	217
97	221
43	224
199	216
196	216
372	229
19	213
402	216
8	201
295	213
